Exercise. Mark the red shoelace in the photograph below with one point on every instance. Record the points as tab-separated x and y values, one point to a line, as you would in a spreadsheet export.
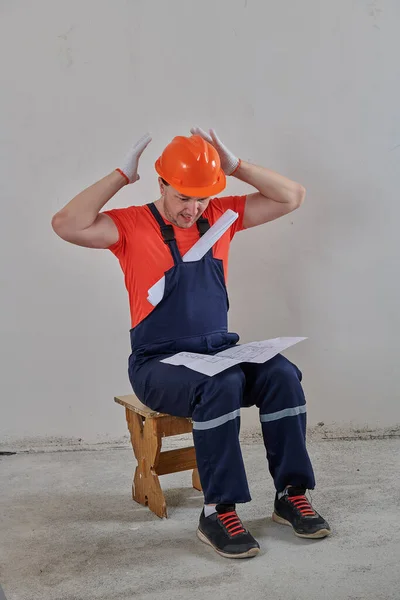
302	505
232	523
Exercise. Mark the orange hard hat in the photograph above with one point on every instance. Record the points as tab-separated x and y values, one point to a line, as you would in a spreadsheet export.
192	166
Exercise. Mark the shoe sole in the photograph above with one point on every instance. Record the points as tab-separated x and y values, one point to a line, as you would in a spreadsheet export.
321	533
249	554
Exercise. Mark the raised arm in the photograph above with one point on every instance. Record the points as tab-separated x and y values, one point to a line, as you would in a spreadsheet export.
277	195
80	221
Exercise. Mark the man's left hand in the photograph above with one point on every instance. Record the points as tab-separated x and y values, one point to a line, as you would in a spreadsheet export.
229	162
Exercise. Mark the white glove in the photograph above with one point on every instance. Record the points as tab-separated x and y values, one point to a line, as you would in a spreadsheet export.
129	168
229	162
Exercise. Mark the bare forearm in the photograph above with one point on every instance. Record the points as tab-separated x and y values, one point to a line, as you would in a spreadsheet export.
82	211
276	195
270	184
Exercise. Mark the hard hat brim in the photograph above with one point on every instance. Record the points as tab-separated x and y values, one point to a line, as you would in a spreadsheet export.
201	192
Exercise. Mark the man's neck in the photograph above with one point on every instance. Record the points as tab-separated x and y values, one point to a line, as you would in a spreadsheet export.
160	207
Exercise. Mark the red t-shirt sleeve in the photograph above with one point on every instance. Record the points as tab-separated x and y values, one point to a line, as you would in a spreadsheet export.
125	220
235	203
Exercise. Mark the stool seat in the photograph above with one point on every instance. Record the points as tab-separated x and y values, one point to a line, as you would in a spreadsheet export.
133	403
147	428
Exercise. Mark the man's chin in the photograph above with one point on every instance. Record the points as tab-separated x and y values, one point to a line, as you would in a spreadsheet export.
185	224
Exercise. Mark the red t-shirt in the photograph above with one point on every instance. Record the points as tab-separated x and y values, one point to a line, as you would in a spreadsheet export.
145	257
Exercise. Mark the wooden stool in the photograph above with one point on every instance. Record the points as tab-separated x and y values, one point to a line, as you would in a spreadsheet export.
147	428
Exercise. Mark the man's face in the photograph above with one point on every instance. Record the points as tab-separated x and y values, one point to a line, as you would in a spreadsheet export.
182	211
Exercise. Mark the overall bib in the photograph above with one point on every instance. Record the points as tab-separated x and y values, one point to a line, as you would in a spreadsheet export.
193	317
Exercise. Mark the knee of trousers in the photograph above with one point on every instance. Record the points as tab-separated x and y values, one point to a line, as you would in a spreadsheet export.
282	371
220	395
283	391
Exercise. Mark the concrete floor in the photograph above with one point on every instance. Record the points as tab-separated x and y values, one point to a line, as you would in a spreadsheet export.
71	531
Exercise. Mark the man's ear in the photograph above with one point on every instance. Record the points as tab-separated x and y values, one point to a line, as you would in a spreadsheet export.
162	186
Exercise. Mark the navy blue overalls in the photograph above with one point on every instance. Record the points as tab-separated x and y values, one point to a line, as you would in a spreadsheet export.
193	317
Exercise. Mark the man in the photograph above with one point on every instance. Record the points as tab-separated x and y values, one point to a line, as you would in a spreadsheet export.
149	242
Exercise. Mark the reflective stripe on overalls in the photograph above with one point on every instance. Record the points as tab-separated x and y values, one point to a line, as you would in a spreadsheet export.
192	317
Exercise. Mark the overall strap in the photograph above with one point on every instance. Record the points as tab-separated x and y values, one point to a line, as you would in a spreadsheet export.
167	232
203	225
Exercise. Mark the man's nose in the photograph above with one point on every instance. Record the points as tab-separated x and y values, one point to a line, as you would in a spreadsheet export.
193	207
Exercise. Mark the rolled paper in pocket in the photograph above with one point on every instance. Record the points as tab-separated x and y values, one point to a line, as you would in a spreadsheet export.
197	251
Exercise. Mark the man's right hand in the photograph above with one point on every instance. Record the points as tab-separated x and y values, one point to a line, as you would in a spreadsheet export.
81	222
130	166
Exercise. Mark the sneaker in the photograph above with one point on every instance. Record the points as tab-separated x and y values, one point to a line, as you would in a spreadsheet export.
294	509
224	531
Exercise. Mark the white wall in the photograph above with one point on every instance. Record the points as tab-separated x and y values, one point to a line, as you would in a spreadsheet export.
308	88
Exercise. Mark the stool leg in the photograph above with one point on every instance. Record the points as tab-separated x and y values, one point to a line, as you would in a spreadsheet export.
196	480
146	488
